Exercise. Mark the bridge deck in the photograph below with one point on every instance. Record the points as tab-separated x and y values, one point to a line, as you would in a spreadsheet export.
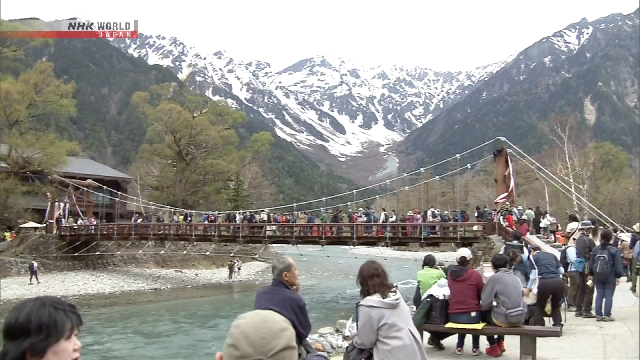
465	234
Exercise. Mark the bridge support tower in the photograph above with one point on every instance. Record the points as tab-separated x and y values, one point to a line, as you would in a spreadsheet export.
504	171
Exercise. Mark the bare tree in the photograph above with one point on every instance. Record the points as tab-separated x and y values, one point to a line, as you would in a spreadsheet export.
546	189
257	184
570	165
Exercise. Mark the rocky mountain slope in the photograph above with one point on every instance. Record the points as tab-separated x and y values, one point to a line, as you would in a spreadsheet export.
592	68
320	101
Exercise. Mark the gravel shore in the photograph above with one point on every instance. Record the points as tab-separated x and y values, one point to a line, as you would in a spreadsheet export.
117	281
387	252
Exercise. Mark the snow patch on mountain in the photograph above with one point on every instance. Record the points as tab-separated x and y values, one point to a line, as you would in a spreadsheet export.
323	100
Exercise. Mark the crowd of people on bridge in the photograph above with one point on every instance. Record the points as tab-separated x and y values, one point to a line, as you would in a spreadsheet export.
428	222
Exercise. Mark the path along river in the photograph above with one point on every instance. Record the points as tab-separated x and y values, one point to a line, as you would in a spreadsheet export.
195	329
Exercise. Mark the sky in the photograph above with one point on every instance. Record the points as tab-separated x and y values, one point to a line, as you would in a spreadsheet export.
440	35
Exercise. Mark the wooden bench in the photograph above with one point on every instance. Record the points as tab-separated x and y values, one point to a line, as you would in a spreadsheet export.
528	335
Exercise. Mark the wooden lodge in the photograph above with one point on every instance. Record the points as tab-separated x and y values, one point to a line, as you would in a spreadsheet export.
67	190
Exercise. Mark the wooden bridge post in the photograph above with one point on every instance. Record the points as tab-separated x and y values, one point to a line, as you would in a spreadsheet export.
503	175
50	221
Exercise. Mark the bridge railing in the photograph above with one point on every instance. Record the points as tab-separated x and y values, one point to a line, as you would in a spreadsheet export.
529	240
279	230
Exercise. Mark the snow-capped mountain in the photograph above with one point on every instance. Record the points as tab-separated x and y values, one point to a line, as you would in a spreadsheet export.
322	100
589	67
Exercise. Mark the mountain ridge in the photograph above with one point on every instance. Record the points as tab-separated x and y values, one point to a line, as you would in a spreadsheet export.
320	101
592	68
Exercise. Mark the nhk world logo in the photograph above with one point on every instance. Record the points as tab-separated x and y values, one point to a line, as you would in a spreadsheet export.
79	29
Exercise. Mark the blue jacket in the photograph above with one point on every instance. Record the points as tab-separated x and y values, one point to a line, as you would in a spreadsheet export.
280	298
633	241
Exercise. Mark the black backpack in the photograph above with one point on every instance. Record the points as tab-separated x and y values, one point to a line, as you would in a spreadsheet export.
602	269
564	260
513	245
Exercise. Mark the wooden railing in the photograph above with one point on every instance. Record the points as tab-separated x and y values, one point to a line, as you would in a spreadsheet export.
183	231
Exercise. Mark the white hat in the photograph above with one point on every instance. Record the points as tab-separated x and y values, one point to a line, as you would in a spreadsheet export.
636	227
464	252
519	207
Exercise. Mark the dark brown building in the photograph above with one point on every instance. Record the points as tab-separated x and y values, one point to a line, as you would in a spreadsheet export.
78	184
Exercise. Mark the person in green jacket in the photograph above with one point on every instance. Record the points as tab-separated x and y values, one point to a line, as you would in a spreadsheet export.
427	277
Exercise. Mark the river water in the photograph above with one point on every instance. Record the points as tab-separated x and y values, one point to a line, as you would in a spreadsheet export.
195	329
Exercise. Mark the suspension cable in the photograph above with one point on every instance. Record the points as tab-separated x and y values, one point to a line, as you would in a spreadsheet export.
458	195
364	200
563	184
139	201
580	201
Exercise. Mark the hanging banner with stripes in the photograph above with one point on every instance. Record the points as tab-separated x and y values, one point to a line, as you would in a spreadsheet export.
510	194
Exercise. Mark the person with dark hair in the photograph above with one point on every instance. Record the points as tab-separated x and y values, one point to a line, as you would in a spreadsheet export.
616	240
522	226
538	215
584	247
384	321
465	285
33	271
548	270
518	266
427	277
606	271
43	328
574	218
518	245
505	289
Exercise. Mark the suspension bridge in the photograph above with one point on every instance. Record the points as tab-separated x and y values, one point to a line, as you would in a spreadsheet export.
346	234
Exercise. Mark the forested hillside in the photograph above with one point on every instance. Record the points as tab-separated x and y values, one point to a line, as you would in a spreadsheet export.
108	129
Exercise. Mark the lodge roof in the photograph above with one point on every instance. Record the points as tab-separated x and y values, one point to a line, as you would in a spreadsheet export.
80	166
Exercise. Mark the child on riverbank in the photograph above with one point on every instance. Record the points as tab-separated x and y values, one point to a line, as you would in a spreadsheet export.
231	266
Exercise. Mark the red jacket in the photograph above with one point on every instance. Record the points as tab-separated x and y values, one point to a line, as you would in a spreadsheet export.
466	286
509	220
523	229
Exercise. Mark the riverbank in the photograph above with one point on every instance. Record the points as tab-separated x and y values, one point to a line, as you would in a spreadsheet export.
86	283
384	252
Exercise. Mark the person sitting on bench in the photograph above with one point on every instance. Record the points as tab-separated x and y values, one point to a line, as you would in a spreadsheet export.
466	286
427	277
502	302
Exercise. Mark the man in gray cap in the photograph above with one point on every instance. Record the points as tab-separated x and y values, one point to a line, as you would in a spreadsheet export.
251	336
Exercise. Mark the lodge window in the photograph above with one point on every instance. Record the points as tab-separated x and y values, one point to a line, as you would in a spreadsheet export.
101	196
31	179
